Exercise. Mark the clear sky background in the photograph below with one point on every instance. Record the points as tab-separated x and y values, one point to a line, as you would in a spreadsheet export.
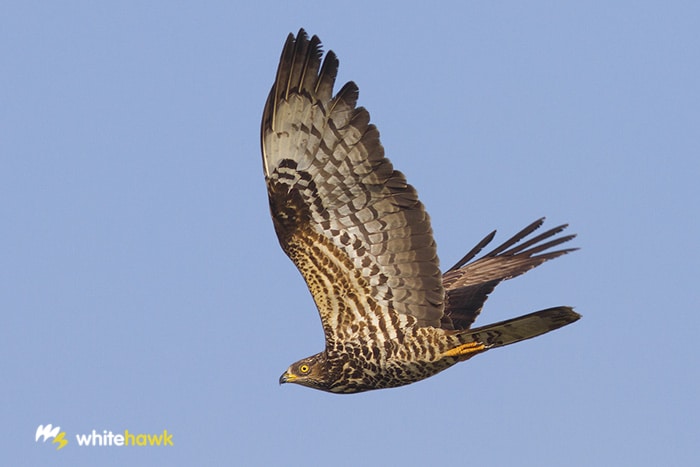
142	286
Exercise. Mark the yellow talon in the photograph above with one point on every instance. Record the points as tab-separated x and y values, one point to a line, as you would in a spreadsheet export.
465	351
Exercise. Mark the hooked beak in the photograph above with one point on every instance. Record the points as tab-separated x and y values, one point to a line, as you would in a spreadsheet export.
287	378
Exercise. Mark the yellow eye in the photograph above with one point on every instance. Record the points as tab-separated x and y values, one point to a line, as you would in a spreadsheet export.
304	368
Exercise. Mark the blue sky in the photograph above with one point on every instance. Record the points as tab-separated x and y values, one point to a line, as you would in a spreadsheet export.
142	287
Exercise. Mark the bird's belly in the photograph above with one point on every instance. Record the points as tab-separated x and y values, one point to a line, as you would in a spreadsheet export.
365	372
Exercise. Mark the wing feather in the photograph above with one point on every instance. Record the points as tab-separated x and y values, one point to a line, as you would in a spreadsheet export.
351	223
468	283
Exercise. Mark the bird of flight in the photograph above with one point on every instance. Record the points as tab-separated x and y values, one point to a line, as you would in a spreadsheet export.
362	240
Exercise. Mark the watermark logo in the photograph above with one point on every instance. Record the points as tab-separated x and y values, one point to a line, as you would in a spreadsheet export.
49	431
127	438
104	437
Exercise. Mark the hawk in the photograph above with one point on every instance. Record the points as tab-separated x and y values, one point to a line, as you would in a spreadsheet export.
362	240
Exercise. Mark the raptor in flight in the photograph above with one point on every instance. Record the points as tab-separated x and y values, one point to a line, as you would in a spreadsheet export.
362	241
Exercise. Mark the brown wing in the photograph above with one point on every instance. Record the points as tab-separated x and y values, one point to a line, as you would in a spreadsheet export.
351	224
467	285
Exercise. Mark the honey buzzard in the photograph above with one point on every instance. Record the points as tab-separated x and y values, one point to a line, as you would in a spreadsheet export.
362	240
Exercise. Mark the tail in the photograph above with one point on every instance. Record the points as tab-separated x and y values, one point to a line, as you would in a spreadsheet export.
521	328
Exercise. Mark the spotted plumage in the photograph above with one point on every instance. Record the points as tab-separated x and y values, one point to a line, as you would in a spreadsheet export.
362	240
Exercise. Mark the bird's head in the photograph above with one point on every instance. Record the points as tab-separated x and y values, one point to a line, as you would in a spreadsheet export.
310	372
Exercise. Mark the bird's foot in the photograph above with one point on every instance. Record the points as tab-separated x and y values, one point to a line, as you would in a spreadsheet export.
466	351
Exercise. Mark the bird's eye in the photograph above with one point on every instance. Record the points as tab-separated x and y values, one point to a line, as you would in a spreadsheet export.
304	368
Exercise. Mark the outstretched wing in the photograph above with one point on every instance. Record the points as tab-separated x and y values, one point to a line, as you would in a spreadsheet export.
467	285
352	225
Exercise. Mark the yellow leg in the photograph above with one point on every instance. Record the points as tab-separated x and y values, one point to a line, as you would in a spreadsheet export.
465	351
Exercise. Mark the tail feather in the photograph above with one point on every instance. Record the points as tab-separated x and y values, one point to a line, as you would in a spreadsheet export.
520	328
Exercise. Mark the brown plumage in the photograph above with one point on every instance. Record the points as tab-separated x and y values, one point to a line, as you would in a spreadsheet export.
362	241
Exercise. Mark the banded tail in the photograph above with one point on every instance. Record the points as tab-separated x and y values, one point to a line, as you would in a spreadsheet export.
521	328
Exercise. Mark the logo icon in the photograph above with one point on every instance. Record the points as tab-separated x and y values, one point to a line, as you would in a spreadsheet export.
49	431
